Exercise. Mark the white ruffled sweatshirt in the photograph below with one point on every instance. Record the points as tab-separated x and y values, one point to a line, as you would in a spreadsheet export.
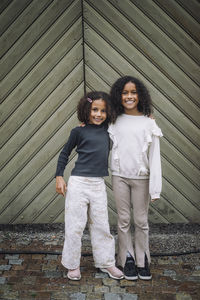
136	150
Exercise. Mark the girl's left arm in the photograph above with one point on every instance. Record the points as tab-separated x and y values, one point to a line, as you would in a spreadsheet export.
155	180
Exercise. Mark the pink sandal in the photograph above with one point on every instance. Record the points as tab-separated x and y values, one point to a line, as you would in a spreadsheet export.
113	272
74	274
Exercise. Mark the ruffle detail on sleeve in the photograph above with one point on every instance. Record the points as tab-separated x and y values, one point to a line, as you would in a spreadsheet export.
154	130
115	156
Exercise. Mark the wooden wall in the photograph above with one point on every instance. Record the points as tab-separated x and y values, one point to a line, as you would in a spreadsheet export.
51	51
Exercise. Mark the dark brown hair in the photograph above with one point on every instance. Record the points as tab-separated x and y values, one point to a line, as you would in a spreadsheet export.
145	103
84	106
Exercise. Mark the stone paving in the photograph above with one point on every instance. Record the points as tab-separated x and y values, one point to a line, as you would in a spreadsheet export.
39	275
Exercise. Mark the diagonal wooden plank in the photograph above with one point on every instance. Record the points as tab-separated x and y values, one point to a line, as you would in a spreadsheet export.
130	42
192	7
4	4
40	128
170	27
32	34
160	101
43	67
21	24
115	12
181	17
32	208
43	161
41	88
10	14
67	26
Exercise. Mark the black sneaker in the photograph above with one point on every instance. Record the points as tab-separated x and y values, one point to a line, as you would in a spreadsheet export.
144	273
130	269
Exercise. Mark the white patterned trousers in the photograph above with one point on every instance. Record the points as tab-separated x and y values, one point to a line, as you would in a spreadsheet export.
86	199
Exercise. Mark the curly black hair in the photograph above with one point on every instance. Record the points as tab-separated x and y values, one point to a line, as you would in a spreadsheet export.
84	106
145	102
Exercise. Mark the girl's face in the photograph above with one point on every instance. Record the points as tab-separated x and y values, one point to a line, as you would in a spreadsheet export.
130	99
98	112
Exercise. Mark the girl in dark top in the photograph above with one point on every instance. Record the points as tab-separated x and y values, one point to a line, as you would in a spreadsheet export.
86	192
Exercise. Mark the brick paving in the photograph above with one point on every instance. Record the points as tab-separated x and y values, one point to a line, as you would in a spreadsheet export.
41	276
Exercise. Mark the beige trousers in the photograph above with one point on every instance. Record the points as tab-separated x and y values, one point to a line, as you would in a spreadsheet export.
132	193
86	198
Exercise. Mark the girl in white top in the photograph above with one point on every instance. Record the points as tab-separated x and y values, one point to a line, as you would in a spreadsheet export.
136	172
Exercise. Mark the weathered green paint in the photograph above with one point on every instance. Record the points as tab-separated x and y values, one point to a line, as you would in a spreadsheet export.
42	70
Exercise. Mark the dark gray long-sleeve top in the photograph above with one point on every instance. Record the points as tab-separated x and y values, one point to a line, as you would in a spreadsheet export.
92	146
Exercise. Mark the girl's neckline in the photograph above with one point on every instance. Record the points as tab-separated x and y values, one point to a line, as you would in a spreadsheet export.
95	125
135	116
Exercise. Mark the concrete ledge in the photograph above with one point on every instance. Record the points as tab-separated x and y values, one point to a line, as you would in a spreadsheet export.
192	228
172	239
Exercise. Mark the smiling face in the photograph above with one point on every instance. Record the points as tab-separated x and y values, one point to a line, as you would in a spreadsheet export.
98	112
130	99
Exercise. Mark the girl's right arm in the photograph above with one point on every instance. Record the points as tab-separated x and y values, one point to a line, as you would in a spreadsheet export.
61	186
65	153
